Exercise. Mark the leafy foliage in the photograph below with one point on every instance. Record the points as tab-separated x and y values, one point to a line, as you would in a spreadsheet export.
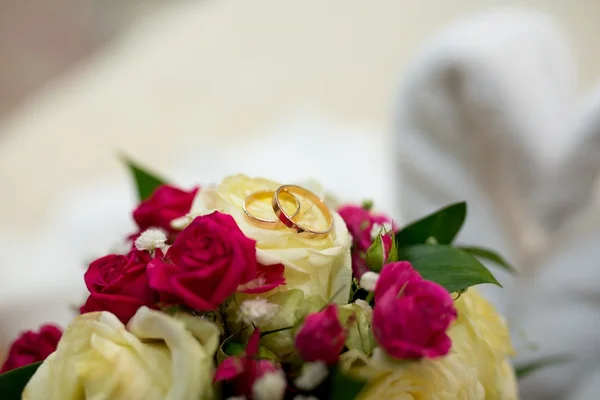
452	268
489	255
443	225
12	383
145	182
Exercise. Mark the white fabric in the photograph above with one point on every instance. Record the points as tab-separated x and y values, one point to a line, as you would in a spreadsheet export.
487	115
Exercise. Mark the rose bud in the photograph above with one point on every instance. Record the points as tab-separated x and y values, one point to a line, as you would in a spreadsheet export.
206	264
410	322
251	377
32	347
321	337
118	284
163	206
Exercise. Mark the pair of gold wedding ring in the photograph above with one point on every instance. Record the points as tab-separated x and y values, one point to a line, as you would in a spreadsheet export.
285	218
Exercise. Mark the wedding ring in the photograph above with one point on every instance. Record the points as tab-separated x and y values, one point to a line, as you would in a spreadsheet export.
263	222
287	219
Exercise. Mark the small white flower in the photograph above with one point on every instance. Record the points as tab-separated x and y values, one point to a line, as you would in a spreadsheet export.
380	228
151	239
369	280
257	311
366	307
270	386
312	375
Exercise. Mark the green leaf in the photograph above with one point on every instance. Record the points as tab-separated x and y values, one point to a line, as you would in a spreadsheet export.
12	383
526	369
443	225
145	181
344	387
489	255
450	267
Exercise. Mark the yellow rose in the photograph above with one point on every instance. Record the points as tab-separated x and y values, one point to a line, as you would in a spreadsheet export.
481	336
447	378
319	267
156	357
478	366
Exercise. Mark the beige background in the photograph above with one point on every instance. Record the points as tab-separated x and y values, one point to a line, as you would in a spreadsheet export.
225	68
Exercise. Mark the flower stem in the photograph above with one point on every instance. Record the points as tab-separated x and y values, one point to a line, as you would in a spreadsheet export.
265	333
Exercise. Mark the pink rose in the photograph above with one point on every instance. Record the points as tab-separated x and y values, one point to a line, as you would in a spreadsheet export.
166	204
411	316
360	223
241	372
118	284
206	264
395	276
321	337
267	278
32	347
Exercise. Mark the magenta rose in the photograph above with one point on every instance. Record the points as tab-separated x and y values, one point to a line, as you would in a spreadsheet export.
267	278
410	320
163	206
321	337
241	372
206	264
360	222
32	347
118	284
394	276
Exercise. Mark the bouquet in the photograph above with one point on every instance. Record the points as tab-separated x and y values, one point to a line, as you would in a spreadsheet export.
254	289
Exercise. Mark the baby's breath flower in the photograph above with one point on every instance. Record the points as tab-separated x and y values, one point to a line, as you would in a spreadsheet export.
257	311
270	386
369	280
312	375
151	239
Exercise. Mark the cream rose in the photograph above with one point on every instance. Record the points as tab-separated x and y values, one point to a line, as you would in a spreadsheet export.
478	366
481	336
157	357
319	267
446	378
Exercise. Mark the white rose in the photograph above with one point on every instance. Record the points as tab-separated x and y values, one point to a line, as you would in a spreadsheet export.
319	267
158	357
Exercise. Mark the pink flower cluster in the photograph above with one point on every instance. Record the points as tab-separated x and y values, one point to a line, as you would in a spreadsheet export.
207	262
360	223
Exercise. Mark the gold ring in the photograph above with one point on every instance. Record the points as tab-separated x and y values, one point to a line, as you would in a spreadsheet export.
287	219
262	222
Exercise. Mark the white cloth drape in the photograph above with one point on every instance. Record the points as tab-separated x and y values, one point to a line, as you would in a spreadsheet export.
487	114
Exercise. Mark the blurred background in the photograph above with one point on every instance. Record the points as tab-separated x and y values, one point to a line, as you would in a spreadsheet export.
201	89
